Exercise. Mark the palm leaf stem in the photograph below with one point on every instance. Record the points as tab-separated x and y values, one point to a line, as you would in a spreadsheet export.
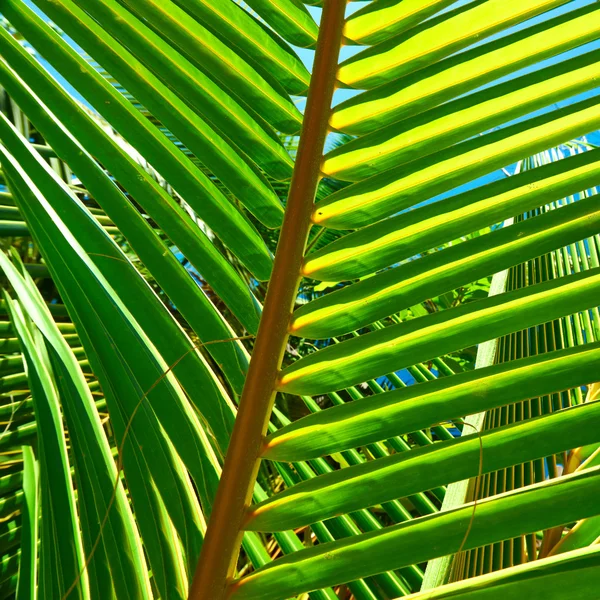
221	545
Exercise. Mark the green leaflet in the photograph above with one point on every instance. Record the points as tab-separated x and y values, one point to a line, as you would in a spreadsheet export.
263	50
396	144
127	365
401	475
61	550
9	345
437	39
497	518
10	364
9	541
195	375
20	229
12	213
12	382
398	346
548	578
23	434
358	305
12	229
212	56
343	526
211	149
192	85
289	543
372	298
466	71
9	567
119	562
7	328
408	234
11	502
381	19
290	19
170	539
27	582
419	406
160	205
585	533
53	190
568	331
56	310
394	190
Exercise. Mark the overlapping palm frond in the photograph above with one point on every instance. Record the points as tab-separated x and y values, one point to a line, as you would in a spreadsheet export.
147	454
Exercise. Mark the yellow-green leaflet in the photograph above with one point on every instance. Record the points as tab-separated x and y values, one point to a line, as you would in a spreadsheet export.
466	71
396	189
441	37
381	19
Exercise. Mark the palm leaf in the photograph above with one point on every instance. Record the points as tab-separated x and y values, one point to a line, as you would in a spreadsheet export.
215	485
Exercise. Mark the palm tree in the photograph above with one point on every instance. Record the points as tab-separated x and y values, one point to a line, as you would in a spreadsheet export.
151	456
